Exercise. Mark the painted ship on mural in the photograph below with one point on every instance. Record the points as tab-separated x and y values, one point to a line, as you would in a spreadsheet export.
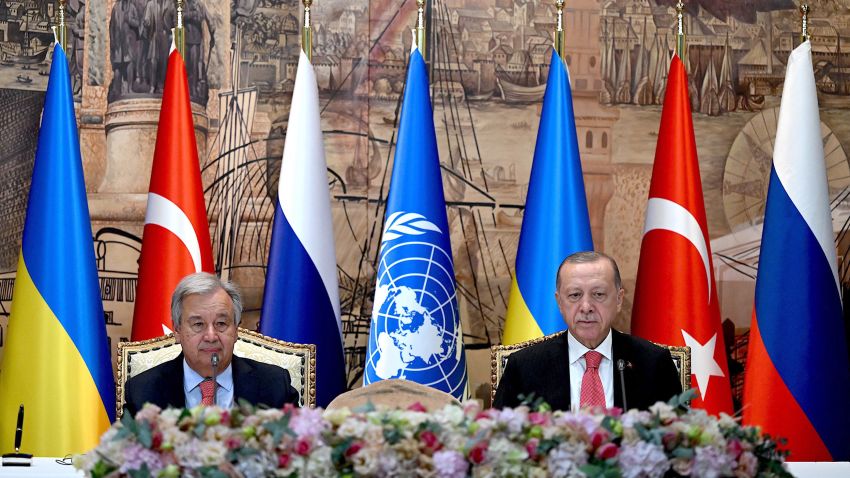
736	56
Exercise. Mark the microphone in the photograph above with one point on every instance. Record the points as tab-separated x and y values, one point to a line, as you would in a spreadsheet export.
621	366
214	363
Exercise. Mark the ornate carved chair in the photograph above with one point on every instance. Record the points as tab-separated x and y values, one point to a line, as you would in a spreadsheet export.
499	358
299	359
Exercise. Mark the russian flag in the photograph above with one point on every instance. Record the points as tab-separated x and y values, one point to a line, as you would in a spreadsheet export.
555	223
798	378
57	361
301	299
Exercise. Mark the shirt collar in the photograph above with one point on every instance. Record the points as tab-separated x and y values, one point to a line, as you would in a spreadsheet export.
577	349
191	378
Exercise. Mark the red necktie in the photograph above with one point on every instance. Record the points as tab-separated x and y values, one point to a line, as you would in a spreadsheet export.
592	393
208	390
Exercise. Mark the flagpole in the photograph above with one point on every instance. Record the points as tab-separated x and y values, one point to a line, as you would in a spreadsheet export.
560	34
179	40
307	31
680	34
419	31
60	32
804	12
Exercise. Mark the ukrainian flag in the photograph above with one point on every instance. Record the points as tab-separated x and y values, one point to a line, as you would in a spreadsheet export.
56	361
556	222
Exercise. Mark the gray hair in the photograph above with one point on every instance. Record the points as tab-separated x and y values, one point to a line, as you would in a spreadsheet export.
203	283
586	257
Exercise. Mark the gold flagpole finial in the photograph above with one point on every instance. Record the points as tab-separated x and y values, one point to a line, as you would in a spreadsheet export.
680	33
419	31
60	31
179	39
804	12
560	34
307	30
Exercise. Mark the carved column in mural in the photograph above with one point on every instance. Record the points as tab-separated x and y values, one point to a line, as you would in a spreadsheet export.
593	121
123	71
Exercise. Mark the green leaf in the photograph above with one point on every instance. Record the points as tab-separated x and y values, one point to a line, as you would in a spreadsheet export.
338	451
142	472
102	469
145	435
682	452
212	472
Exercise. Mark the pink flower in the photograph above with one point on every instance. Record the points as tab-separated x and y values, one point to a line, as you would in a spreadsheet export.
430	440
598	437
283	460
288	408
537	418
734	448
531	448
483	415
303	447
417	407
232	443
353	448
607	451
156	440
225	417
478	453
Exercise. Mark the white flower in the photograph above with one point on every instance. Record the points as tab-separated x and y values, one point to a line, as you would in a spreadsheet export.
642	460
664	411
566	459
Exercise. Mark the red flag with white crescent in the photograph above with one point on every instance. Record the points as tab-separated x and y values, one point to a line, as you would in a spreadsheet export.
176	239
675	295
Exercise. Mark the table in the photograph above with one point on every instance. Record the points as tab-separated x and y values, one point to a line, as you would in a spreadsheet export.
41	468
819	469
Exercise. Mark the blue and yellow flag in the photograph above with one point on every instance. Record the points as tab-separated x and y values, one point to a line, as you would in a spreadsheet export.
415	332
57	362
556	223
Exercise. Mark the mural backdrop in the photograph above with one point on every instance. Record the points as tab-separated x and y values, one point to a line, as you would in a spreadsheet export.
488	64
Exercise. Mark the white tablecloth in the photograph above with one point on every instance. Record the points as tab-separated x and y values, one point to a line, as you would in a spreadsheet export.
819	469
41	468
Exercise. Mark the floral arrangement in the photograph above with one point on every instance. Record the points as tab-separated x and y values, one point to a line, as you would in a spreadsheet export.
666	440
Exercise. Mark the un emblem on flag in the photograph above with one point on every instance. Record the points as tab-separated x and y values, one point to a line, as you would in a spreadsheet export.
415	333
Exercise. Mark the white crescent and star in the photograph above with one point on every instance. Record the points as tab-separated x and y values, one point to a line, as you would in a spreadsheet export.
164	213
667	215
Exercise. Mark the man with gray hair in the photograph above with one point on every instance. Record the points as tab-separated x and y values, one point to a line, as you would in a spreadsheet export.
576	369
206	313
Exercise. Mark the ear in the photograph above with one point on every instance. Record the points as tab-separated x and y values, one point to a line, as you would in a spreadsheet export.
620	294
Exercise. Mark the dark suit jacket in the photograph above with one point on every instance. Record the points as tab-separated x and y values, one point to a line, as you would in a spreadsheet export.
544	369
256	382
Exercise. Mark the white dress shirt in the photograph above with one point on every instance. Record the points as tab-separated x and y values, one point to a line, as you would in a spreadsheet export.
578	366
192	390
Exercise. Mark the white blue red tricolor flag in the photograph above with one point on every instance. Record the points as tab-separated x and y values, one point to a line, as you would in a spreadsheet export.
798	378
301	299
56	361
416	332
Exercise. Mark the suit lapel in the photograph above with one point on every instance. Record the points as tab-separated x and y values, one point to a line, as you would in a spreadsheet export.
560	363
243	386
621	350
171	393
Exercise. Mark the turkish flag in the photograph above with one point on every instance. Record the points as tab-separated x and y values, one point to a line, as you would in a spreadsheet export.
675	295
176	239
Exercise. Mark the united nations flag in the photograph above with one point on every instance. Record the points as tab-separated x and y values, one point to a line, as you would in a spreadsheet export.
415	332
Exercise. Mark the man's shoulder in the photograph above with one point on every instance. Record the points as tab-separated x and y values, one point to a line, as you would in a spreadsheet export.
640	345
541	348
156	373
246	365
